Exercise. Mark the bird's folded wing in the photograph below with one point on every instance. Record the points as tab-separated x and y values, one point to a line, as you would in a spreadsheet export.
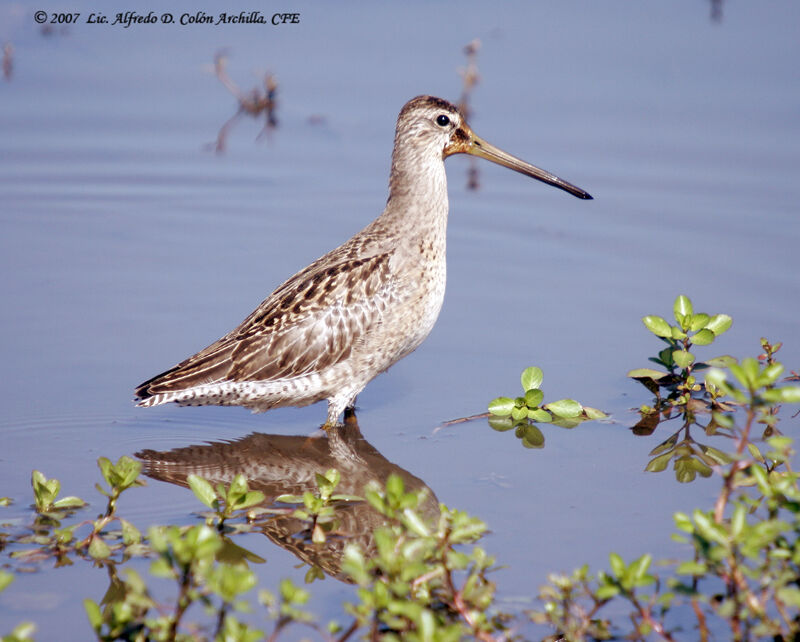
310	323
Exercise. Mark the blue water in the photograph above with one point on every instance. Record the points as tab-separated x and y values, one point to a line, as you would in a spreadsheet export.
126	245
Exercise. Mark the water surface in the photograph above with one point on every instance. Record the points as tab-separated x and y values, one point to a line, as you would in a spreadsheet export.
126	246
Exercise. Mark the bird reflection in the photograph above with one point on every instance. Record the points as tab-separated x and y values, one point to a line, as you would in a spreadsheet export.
284	464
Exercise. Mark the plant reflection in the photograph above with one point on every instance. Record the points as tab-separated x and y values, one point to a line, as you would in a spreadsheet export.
679	395
689	457
281	465
254	103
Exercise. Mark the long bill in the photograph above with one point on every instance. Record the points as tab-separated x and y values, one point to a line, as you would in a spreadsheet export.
464	141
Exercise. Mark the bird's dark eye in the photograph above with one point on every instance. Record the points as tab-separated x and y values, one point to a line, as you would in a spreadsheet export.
442	120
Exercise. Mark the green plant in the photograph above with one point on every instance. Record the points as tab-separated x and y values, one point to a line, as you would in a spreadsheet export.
425	577
522	413
743	573
225	502
420	585
319	508
45	492
679	362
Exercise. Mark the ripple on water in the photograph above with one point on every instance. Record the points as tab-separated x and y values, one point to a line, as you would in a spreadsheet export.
67	446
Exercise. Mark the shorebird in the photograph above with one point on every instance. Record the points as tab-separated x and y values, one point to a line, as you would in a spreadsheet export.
354	312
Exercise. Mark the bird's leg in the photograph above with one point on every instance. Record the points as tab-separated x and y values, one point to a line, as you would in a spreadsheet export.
336	407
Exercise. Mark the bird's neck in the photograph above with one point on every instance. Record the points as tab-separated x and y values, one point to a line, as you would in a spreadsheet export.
417	196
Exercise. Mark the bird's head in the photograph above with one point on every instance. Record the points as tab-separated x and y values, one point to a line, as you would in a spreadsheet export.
433	125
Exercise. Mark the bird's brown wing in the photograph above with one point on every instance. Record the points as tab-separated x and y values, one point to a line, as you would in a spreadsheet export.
311	322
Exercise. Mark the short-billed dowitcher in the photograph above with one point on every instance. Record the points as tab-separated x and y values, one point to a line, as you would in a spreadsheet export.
353	313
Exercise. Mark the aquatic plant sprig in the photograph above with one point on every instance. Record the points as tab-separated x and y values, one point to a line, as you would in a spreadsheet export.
224	502
420	566
319	508
743	568
523	412
53	540
679	362
45	492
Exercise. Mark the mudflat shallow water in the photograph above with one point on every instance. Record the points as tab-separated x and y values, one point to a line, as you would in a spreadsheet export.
126	245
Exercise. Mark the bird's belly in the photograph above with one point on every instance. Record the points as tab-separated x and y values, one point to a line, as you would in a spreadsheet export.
408	324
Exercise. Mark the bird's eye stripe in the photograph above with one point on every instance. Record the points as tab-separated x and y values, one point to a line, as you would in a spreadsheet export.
442	120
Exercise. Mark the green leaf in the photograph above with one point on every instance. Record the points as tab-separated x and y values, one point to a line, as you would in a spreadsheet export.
502	406
69	502
93	613
354	565
531	378
639	566
617	565
394	486
250	498
130	534
44	490
658	464
333	476
565	408
787	394
719	323
721	362
105	465
533	397
323	483
682	306
789	595
203	491
567	422
161	568
23	631
665	445
717	378
684	470
769	374
683	522
531	436
755	453
646	373
518	414
678	334
703	337
691	568
717	456
738	520
665	356
501	424
699	321
657	326
237	488
682	358
594	413
414	523
5	579
745	372
701	467
289	499
313	573
542	416
606	592
98	549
